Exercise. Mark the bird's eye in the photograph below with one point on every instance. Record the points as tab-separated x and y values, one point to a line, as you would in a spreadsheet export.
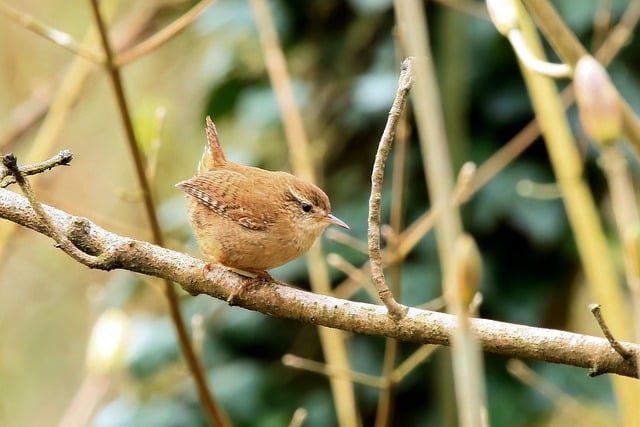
306	207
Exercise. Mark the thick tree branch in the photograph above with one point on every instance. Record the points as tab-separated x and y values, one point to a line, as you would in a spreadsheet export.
276	299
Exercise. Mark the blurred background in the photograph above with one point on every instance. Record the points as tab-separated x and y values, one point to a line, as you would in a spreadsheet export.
344	63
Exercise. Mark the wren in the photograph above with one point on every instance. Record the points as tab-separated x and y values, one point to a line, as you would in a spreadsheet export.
249	219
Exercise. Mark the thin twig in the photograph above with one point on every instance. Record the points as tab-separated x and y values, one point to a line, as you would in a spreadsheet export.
165	34
563	402
601	23
293	361
339	262
63	158
471	8
214	413
352	284
416	231
412	235
386	398
396	310
619	348
58	37
347	240
620	34
411	362
11	163
624	203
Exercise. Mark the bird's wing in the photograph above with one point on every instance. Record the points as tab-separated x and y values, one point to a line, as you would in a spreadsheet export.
233	196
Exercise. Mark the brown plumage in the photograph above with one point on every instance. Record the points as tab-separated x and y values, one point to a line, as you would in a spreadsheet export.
251	219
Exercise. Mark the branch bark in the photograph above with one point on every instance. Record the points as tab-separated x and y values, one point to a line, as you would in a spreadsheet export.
276	299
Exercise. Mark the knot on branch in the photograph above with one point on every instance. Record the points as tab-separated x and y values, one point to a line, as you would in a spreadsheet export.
79	233
10	161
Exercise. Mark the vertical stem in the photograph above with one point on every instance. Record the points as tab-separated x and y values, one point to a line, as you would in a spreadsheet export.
625	208
412	22
214	413
398	182
396	310
430	122
454	67
332	341
581	210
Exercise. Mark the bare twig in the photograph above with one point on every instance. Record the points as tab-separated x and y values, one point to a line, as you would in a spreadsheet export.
412	235
296	362
347	240
355	274
63	158
214	412
624	203
276	299
471	8
396	310
597	313
620	34
411	362
563	402
56	36
11	163
386	397
162	36
601	23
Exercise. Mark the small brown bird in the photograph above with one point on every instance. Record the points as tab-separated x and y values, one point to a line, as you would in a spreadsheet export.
250	219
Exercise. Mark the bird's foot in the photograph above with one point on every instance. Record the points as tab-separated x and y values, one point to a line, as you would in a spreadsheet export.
253	277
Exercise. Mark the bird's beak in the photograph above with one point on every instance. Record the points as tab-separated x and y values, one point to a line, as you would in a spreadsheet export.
331	218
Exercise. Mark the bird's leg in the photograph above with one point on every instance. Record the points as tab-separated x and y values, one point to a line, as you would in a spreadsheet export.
254	276
206	268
